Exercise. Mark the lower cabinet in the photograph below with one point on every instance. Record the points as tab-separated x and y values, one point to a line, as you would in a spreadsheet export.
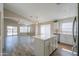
45	47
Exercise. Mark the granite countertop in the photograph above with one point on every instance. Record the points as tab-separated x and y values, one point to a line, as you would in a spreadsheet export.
44	37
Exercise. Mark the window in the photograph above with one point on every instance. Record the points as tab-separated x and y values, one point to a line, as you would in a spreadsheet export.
14	30
45	29
25	29
67	27
28	29
11	30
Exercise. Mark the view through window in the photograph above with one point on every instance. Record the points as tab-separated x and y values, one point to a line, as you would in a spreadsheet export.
67	27
25	29
11	30
45	29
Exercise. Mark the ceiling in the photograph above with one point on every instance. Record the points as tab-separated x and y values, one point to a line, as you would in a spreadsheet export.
43	11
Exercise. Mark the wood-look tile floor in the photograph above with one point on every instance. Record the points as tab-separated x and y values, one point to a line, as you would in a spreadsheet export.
22	46
63	50
15	45
65	46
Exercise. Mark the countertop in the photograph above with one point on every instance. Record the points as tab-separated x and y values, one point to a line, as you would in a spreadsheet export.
61	33
44	37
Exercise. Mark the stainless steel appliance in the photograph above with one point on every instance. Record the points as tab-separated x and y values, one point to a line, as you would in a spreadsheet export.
75	37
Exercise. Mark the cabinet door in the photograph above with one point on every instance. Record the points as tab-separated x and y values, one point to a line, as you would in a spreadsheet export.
56	42
38	47
47	48
51	46
53	43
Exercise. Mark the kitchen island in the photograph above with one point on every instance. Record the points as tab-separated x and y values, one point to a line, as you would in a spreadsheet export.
44	45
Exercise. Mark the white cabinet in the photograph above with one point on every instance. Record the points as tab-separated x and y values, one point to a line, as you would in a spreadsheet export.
44	47
38	46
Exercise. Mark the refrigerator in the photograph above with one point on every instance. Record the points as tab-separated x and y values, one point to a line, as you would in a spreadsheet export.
75	48
75	37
